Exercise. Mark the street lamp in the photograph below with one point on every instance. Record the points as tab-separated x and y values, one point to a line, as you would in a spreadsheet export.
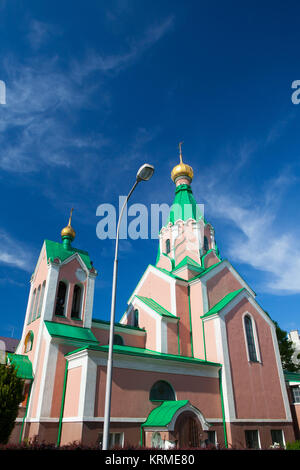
144	174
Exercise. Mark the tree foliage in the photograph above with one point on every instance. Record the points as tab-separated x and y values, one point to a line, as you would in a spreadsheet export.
11	395
286	350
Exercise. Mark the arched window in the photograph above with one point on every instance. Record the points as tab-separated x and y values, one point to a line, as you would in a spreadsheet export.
31	306
168	249
41	300
162	390
206	247
118	340
61	298
76	304
136	318
36	303
28	341
250	339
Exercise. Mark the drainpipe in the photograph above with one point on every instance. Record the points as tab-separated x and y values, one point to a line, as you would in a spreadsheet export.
222	405
62	405
26	411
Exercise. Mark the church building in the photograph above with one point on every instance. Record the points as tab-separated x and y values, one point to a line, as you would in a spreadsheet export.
196	358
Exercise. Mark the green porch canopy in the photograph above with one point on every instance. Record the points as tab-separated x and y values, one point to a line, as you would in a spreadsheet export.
163	414
22	364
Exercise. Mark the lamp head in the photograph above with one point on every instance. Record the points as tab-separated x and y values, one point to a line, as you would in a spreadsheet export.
145	172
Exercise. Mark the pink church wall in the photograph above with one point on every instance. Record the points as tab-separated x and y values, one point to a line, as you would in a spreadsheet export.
220	285
156	288
210	259
182	305
196	301
59	379
37	379
256	386
72	392
172	336
210	341
149	323
134	386
134	340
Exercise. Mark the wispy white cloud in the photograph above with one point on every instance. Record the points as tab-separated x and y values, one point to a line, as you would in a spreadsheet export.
14	253
40	33
258	238
96	62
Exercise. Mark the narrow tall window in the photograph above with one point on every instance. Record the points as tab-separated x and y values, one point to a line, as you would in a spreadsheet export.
61	298
41	299
136	318
168	249
31	306
250	339
252	440
206	247
76	304
36	303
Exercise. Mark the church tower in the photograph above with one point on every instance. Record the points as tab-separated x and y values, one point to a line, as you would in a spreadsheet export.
186	237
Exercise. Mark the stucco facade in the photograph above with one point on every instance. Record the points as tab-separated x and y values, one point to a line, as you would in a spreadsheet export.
196	358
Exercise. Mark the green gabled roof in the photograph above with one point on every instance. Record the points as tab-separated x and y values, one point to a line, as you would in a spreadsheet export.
225	301
57	250
187	261
156	307
75	333
205	271
184	206
147	353
163	414
22	364
169	273
292	376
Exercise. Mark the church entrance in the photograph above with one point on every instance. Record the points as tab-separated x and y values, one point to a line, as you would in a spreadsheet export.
189	431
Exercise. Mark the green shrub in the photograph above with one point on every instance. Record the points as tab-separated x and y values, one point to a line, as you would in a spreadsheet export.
11	395
293	445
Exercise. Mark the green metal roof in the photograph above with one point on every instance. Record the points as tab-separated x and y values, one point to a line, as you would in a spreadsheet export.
57	250
156	307
220	305
163	414
187	261
184	206
140	352
76	333
292	376
23	365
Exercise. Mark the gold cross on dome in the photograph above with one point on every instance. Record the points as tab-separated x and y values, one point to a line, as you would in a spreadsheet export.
180	151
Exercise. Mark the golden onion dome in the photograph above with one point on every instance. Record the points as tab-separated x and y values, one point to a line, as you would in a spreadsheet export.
182	169
68	231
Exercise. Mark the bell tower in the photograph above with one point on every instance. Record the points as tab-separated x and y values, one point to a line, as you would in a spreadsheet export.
186	236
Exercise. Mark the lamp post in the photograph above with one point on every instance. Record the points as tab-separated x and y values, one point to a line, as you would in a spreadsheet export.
144	174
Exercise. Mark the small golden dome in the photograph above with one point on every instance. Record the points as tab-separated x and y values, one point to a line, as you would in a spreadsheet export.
68	231
182	169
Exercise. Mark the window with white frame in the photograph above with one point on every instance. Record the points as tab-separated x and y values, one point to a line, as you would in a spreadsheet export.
116	439
250	338
296	393
277	437
252	439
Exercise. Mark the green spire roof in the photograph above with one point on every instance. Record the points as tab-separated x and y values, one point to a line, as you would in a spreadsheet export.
184	206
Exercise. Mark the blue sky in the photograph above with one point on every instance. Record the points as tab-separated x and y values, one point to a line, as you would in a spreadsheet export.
94	89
